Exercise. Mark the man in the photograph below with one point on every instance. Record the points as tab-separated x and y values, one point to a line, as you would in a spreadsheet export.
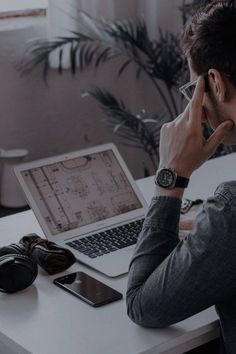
170	280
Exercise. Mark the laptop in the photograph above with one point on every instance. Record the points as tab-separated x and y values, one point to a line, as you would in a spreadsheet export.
88	202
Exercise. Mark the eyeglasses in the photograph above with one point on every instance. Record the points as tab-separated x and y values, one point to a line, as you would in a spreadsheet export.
188	89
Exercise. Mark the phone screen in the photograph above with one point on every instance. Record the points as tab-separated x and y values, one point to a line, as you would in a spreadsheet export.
88	288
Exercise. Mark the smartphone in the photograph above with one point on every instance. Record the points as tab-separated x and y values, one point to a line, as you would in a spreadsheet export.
88	289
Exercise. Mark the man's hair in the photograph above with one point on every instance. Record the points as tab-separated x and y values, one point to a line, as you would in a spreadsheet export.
209	39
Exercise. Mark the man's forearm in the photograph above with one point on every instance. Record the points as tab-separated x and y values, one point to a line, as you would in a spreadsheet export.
158	238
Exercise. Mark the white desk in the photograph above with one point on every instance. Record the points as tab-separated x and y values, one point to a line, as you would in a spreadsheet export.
44	319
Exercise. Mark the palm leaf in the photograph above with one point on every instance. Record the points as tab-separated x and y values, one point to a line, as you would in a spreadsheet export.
139	129
97	42
107	40
124	66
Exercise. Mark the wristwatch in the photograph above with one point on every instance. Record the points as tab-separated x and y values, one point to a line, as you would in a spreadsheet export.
168	178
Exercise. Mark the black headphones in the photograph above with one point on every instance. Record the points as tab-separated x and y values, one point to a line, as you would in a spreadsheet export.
17	270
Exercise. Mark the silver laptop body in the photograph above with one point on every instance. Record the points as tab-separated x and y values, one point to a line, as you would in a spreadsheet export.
81	194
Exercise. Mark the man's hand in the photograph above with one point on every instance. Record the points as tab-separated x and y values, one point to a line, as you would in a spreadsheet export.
182	144
186	224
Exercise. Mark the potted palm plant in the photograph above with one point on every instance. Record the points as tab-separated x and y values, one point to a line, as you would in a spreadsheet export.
161	60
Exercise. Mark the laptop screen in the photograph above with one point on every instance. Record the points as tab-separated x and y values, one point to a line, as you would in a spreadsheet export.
81	191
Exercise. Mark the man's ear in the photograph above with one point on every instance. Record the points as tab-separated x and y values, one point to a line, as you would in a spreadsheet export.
217	84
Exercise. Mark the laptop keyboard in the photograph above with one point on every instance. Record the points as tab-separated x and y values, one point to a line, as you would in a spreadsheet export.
108	241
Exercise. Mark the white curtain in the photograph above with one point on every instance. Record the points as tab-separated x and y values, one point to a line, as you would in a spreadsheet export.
160	14
62	12
157	13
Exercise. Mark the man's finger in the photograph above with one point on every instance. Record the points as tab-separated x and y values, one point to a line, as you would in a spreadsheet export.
179	117
195	116
216	138
184	115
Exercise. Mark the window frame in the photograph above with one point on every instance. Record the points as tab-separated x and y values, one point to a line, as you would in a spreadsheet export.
28	11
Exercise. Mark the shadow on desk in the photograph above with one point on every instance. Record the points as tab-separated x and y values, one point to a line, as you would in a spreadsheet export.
210	348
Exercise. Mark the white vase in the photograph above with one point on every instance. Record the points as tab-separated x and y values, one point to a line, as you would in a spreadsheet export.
11	195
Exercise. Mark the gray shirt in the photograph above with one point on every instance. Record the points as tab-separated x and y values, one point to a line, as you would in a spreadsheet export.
170	280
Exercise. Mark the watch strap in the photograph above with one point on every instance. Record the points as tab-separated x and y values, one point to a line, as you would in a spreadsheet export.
181	182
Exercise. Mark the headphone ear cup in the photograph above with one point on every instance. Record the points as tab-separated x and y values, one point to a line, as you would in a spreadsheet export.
11	249
17	272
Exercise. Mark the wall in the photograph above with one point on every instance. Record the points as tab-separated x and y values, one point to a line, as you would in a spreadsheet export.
55	119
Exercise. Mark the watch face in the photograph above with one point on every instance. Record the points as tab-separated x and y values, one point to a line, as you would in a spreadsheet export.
165	178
